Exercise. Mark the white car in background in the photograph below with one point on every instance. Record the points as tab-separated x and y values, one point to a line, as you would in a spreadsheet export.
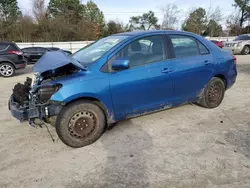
240	45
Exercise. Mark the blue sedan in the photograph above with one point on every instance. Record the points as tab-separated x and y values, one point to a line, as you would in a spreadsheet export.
120	77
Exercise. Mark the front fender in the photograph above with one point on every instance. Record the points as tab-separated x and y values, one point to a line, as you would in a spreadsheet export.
97	89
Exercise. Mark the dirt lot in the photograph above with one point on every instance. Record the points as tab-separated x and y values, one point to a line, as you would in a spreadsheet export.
188	146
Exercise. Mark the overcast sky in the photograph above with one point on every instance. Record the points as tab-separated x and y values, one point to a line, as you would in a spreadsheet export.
122	9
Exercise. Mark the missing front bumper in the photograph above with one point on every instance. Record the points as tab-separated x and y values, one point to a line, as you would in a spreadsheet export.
31	111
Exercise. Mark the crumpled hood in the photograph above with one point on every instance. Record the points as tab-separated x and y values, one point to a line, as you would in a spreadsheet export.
53	60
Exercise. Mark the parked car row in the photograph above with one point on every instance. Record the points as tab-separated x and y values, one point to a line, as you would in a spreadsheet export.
13	58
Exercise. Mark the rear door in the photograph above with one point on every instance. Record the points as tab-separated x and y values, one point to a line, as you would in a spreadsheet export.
30	53
193	66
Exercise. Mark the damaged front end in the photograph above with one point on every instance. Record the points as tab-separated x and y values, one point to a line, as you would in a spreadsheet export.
31	101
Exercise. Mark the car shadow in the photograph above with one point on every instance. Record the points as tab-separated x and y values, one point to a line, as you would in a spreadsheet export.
127	145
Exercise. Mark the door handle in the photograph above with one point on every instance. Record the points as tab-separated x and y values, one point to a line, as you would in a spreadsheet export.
207	62
166	70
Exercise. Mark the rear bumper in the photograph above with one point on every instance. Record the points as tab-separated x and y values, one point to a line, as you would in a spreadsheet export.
32	111
20	64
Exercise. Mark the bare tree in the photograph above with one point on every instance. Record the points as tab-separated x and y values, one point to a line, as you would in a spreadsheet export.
233	24
214	14
25	29
170	18
39	9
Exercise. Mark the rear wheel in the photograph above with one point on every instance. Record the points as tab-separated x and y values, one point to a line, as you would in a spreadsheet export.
80	124
7	69
246	50
213	93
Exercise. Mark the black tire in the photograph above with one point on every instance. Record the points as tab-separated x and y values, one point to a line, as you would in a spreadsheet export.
213	94
7	70
246	50
80	124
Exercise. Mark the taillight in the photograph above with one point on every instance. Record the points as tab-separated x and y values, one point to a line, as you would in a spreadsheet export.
15	52
235	59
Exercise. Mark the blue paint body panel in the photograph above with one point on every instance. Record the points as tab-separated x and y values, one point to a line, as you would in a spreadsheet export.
150	87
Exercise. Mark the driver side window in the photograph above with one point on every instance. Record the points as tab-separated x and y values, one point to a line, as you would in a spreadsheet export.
143	51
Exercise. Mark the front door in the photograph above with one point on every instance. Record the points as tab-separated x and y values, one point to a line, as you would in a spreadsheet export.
147	85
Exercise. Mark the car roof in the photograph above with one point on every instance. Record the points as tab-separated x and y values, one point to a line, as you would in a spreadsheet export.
33	47
138	33
7	43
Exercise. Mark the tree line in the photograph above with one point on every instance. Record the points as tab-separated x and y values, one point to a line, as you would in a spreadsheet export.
70	20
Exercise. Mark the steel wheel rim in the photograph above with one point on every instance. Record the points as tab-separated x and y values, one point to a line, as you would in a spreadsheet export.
214	93
82	124
6	70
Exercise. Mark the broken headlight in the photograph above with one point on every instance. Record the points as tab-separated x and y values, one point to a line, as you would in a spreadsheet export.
46	91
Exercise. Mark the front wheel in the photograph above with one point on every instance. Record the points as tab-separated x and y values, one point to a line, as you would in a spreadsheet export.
245	50
213	93
80	124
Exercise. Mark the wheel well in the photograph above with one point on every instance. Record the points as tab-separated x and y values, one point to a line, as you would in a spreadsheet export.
94	100
1	62
222	77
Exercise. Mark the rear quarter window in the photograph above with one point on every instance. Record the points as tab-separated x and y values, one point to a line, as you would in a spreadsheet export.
202	48
3	47
186	46
13	47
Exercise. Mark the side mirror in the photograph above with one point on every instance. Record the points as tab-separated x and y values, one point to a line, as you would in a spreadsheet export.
120	64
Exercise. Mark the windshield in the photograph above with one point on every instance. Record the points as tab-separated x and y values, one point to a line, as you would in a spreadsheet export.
94	51
242	37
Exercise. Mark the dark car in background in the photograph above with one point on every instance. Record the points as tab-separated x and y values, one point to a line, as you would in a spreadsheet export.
218	43
32	54
55	49
11	59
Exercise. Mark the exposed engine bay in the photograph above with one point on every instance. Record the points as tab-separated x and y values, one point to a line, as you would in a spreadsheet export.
34	95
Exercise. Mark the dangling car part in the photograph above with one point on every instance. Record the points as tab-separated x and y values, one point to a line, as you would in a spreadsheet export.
31	100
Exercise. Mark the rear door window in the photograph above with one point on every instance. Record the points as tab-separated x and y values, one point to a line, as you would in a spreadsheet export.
186	46
41	50
29	49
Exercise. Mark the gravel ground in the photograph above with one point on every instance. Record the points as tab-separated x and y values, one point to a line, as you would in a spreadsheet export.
188	146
